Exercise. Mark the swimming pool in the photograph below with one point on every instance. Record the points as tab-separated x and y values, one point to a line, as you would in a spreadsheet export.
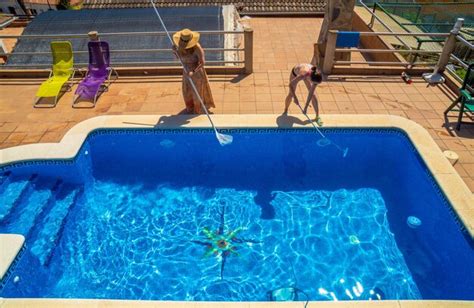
171	215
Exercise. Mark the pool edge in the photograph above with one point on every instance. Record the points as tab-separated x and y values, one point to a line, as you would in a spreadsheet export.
88	303
456	191
11	245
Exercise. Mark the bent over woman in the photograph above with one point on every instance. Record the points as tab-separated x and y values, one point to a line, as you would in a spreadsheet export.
311	76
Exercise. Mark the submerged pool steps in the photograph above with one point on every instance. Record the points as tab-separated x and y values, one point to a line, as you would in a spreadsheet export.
13	194
36	208
27	212
45	211
53	223
4	180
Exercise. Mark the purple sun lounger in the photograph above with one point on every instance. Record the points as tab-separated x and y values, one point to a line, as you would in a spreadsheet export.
98	74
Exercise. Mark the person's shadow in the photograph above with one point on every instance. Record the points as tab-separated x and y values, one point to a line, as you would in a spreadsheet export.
287	121
178	120
263	199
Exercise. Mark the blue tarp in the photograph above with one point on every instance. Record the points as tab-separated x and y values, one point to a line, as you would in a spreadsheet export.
120	20
347	39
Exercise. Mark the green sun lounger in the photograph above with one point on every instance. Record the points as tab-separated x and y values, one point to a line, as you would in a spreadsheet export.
62	72
465	101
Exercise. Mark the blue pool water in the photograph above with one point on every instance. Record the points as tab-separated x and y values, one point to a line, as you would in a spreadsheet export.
171	215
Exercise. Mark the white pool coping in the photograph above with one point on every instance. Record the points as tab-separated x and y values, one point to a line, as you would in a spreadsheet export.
10	246
456	191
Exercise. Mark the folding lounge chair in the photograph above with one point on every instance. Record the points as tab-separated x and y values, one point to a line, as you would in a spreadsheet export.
63	70
465	99
98	73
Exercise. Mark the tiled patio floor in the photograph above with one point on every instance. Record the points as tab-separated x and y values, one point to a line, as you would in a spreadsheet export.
279	44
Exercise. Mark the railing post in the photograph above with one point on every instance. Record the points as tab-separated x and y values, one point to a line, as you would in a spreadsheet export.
330	52
248	46
415	55
449	46
372	19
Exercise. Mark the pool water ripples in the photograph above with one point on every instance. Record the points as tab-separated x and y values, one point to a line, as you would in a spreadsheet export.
149	243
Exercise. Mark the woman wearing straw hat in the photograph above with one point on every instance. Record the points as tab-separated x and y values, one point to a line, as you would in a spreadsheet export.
187	47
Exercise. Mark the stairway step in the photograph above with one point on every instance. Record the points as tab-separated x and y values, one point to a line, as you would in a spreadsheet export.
50	234
13	194
4	180
34	204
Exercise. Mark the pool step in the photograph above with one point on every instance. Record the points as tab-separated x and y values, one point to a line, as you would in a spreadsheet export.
51	232
4	180
45	211
27	212
13	194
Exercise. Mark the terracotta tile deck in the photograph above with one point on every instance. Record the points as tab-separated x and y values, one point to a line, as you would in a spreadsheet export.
279	44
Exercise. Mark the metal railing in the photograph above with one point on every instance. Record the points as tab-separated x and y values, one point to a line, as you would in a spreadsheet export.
242	57
8	20
461	62
375	17
423	26
456	55
451	40
329	58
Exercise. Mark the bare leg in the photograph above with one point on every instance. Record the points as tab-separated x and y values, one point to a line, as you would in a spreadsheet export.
288	102
289	97
314	100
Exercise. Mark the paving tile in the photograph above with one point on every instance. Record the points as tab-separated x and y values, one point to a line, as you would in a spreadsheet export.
8	127
414	114
469	182
345	106
33	137
461	171
5	144
56	126
469	168
16	137
51	137
370	98
400	113
3	136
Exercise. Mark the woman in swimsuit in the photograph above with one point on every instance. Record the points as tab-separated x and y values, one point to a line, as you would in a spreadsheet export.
311	76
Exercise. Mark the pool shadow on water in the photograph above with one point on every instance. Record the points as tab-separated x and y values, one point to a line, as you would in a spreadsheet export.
263	198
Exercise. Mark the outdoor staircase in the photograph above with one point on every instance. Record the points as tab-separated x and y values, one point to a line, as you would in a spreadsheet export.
37	208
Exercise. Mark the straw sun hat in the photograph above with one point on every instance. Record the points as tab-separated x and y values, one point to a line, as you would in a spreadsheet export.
186	36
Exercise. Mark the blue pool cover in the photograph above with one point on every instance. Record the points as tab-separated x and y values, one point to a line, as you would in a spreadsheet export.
171	215
119	21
